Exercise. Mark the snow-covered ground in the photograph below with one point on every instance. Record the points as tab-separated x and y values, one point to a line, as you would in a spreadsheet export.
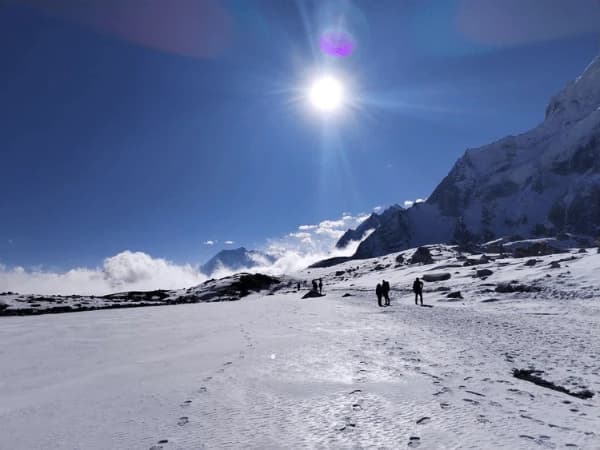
275	371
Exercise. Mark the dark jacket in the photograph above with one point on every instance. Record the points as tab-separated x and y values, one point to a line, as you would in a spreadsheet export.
417	286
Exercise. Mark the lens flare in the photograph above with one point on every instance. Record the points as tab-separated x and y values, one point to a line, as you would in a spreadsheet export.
326	94
336	43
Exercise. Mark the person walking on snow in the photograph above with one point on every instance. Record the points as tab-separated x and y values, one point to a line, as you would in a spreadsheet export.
385	291
418	290
379	293
321	286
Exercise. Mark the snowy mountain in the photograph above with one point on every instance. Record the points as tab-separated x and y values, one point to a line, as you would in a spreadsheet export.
235	260
538	183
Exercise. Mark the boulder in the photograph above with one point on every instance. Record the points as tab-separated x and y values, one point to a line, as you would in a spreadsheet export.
531	262
429	277
455	294
421	256
312	294
400	259
505	288
484	273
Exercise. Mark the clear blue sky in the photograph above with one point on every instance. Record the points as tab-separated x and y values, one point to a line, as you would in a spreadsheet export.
156	128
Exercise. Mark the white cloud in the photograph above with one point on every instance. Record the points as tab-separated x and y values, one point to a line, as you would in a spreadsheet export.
123	272
139	271
378	209
229	242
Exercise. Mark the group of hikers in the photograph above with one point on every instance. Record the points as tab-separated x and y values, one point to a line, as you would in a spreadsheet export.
383	292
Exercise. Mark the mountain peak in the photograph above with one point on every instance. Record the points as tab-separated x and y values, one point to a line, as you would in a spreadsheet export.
579	98
236	259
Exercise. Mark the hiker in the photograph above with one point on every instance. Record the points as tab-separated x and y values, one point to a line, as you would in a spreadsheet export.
321	286
385	290
379	292
298	285
418	290
314	285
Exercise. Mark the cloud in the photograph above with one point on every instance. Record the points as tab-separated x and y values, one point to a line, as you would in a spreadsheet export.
130	270
378	209
125	271
229	242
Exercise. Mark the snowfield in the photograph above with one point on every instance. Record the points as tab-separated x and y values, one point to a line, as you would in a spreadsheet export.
275	371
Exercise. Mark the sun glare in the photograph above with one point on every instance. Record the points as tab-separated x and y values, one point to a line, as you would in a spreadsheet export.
326	94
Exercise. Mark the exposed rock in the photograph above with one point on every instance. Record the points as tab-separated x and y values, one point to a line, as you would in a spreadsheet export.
347	295
339	273
531	262
400	259
504	288
484	273
429	277
483	259
441	289
455	294
533	376
554	265
312	294
421	256
330	262
529	249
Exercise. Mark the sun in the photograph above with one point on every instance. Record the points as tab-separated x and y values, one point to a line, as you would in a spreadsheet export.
326	93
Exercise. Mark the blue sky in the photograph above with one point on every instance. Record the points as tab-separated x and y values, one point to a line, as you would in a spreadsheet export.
157	130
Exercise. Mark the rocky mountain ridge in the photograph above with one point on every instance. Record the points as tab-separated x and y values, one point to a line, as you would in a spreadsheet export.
539	183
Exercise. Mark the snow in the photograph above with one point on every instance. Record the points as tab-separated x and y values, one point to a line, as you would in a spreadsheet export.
275	371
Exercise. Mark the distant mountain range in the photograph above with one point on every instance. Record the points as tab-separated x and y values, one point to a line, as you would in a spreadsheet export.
235	260
538	183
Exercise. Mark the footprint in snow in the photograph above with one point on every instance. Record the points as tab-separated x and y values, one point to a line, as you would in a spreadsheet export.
186	403
423	420
356	391
414	441
183	421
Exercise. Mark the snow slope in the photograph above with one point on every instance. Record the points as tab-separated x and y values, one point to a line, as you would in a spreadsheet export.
275	371
541	182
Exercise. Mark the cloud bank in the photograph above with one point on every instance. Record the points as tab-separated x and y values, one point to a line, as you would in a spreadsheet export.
126	271
129	270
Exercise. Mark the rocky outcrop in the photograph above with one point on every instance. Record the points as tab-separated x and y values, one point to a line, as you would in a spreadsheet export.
421	256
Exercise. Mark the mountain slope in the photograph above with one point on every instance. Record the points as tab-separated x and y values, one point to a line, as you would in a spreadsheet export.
235	260
541	182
